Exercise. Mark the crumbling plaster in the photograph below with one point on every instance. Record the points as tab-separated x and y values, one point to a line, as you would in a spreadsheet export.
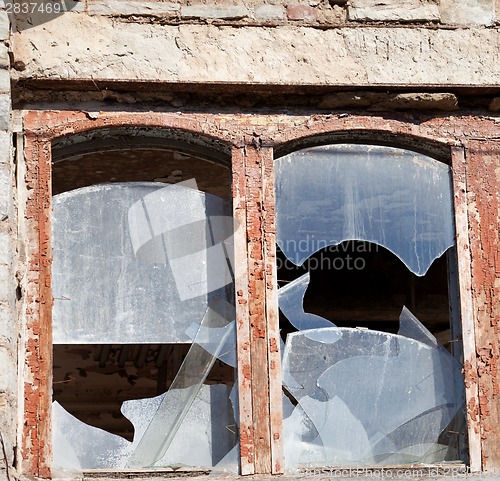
77	46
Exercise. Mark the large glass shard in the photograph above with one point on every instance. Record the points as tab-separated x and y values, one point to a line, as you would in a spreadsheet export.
371	395
194	370
227	353
230	463
396	198
204	439
206	434
137	262
291	300
302	445
410	326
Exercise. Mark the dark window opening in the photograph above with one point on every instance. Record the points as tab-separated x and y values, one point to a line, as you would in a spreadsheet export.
361	284
92	381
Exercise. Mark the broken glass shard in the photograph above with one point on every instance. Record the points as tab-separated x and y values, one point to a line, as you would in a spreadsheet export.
78	445
395	198
227	352
291	304
410	326
200	358
371	394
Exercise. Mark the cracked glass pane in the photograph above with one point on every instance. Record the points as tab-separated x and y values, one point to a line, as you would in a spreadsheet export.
374	395
140	268
370	395
395	198
170	415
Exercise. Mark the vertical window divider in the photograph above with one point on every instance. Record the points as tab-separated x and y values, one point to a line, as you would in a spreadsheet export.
466	307
242	313
257	312
36	353
272	313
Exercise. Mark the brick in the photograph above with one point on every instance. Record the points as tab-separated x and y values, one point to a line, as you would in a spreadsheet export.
117	7
359	99
266	13
4	81
72	6
7	361
226	12
7	322
4	56
495	105
479	12
401	11
4	26
5	192
300	12
418	101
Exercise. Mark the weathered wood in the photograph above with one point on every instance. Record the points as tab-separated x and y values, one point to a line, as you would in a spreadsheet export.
466	308
257	310
37	369
272	313
242	315
483	197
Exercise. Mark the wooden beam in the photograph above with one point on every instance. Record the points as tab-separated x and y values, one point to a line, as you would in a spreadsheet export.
34	224
259	369
272	313
483	201
257	310
466	307
247	458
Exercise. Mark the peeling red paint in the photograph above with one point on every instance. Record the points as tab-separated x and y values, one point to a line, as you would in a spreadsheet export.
483	179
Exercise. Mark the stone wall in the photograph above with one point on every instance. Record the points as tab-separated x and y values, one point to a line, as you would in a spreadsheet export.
296	12
8	323
360	42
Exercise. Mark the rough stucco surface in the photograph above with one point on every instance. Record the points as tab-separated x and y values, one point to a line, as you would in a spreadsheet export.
8	324
77	46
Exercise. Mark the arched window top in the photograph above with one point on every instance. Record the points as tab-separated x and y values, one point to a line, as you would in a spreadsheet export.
392	197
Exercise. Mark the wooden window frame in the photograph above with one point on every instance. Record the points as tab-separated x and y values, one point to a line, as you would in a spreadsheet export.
259	369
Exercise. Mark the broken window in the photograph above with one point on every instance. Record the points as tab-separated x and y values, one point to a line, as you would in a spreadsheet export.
371	361
143	317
